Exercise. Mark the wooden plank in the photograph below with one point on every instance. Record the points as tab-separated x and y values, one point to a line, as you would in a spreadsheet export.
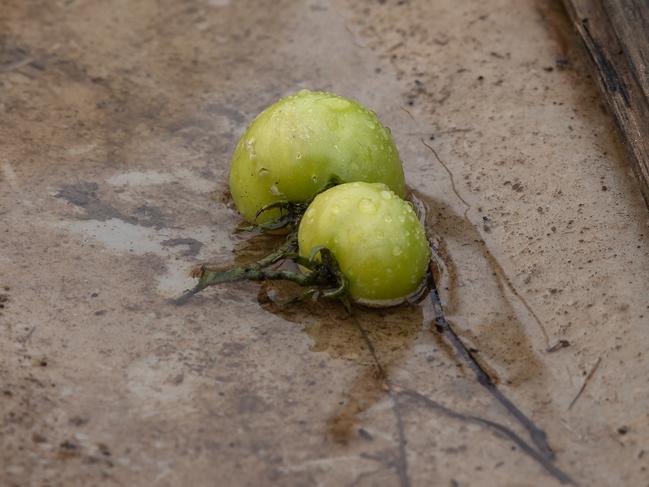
616	36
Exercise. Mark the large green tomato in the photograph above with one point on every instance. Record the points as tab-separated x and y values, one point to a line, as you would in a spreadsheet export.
379	243
294	148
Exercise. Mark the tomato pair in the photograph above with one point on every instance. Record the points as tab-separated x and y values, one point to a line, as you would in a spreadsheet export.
294	149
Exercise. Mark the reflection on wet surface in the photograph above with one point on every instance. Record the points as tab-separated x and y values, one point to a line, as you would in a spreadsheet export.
477	296
392	333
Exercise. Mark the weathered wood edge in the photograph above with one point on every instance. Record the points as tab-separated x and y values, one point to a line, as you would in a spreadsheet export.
615	34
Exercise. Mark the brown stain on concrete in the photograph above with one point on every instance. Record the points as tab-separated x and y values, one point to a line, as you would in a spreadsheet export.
392	332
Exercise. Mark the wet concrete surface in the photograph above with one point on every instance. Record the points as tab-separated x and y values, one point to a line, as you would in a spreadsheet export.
117	120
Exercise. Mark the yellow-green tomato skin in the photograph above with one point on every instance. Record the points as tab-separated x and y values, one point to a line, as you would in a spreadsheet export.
376	237
294	147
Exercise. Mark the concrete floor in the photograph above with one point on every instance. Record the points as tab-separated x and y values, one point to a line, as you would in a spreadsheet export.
117	120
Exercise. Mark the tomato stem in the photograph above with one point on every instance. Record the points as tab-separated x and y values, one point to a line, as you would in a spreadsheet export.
290	212
324	275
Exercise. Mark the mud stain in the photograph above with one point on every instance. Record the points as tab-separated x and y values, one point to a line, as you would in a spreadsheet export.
249	249
4	299
391	332
84	195
193	245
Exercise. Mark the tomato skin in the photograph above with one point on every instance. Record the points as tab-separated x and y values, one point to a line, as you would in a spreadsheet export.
294	147
379	243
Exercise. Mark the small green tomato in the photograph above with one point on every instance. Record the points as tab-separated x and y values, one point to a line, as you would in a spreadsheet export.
375	236
295	147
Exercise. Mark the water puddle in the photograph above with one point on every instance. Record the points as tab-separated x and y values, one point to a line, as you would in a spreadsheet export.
176	249
392	334
477	297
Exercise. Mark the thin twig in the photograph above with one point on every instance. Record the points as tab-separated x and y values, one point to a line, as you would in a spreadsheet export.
586	381
500	271
537	435
402	464
395	392
209	275
501	430
29	334
451	178
409	114
16	65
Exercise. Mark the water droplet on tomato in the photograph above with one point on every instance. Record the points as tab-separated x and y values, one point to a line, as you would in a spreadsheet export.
366	206
336	103
250	148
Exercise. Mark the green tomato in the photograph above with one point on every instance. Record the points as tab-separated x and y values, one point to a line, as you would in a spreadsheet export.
375	236
295	147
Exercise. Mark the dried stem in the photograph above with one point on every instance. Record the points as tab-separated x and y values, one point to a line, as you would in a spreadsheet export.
324	274
537	435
